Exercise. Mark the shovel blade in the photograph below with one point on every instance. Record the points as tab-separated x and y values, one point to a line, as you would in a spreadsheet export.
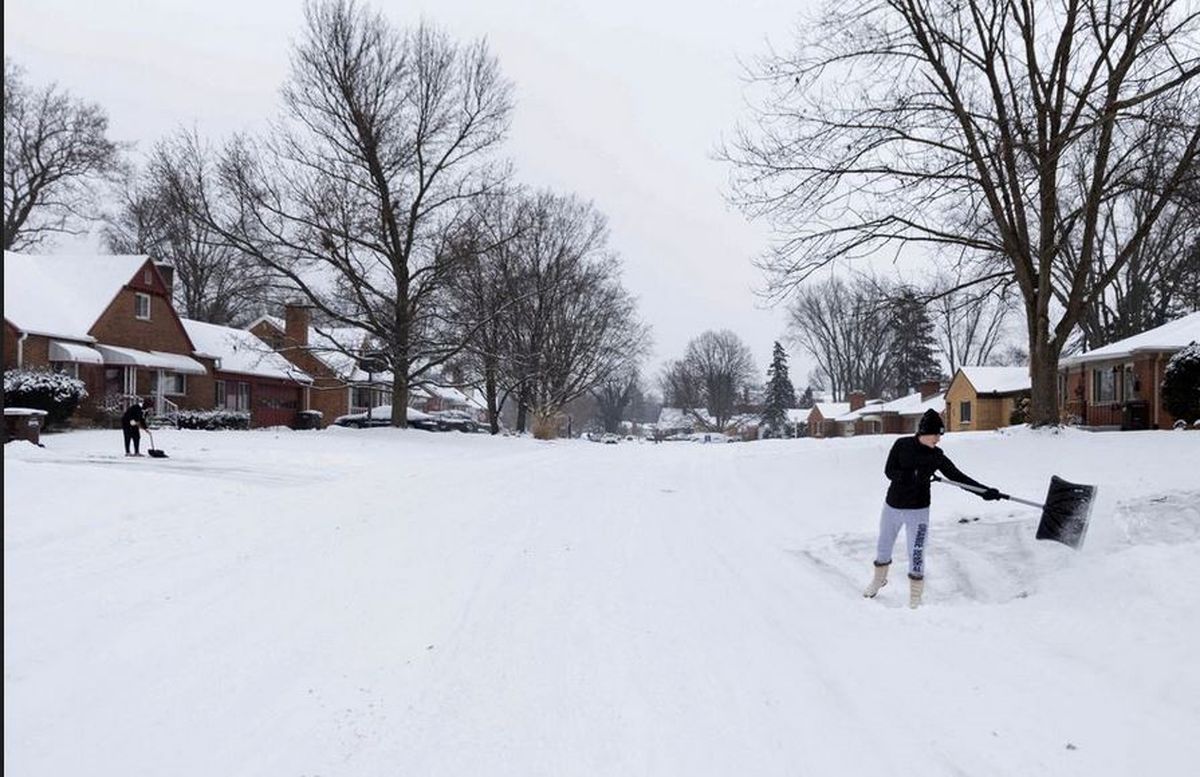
155	453
1066	511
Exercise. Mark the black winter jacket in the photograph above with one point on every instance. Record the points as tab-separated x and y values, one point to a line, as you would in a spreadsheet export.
910	466
134	417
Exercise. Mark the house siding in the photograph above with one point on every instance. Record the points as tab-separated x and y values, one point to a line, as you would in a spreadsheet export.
329	393
988	411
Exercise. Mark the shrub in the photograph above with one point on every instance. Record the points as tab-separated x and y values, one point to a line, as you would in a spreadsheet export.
1020	412
1181	384
211	420
55	392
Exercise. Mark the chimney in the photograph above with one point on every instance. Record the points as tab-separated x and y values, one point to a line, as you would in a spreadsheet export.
168	275
857	400
929	388
296	318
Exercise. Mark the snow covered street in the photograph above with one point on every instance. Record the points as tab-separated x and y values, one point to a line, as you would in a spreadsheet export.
383	602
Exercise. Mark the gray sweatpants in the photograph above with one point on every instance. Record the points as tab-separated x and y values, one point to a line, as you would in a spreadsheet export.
916	529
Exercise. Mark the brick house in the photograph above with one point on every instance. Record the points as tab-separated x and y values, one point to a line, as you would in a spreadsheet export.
1119	386
983	398
249	376
107	320
339	384
821	418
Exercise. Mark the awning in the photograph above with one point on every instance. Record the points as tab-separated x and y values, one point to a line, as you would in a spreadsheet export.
74	352
151	360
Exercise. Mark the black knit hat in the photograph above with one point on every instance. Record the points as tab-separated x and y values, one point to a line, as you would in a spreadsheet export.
931	423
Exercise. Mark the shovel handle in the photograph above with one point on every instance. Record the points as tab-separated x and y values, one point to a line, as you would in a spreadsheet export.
978	490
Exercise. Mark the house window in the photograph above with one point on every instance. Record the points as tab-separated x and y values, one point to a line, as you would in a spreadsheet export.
66	368
964	412
1130	387
174	383
220	384
141	306
242	399
1104	385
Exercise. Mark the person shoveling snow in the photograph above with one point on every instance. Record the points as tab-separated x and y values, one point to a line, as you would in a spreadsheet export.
910	467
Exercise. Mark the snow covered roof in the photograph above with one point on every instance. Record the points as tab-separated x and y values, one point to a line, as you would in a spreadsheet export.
997	380
1172	336
63	295
832	409
912	404
871	407
330	344
240	351
797	415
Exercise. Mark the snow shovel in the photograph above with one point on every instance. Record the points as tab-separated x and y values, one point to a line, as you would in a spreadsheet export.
155	453
1064	515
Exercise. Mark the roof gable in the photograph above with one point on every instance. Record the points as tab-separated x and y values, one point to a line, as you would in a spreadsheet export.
64	295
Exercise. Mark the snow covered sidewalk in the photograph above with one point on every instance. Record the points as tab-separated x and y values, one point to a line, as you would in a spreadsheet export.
379	602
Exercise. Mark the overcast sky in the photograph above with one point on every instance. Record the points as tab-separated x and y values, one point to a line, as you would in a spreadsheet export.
620	102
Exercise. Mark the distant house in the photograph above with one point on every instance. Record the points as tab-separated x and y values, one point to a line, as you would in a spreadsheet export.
331	357
678	420
107	320
821	418
862	418
1119	385
983	398
901	416
249	376
431	398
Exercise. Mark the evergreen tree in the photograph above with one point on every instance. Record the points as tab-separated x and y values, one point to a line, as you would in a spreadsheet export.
806	400
912	354
780	394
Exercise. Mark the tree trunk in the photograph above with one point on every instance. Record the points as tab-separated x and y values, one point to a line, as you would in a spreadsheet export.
490	394
1043	375
522	409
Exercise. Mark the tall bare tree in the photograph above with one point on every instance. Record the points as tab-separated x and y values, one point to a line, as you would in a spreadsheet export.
358	196
614	394
56	153
214	280
721	366
846	328
969	318
980	127
571	323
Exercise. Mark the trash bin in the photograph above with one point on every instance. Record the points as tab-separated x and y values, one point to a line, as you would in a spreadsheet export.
1136	415
308	419
23	423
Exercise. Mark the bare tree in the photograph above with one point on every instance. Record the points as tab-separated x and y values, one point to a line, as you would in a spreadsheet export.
358	196
214	280
721	365
56	152
969	318
570	323
680	387
982	128
846	328
614	394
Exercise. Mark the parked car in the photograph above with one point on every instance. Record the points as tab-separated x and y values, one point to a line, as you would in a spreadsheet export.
382	416
610	439
456	420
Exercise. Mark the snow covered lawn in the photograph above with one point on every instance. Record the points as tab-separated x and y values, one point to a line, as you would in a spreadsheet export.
380	602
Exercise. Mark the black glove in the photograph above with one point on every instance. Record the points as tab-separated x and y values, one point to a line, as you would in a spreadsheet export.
991	495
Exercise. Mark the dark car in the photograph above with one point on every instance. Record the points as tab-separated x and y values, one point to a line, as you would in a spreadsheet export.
382	416
456	420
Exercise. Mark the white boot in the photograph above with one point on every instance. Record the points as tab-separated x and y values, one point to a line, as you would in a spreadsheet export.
878	582
916	587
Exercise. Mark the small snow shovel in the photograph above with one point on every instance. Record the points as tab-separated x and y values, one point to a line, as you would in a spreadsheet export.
1064	515
155	453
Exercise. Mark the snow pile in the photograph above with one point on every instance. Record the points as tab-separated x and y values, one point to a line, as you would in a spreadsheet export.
361	602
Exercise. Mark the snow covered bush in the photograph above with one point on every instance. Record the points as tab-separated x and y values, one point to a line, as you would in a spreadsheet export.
56	393
1181	384
211	420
